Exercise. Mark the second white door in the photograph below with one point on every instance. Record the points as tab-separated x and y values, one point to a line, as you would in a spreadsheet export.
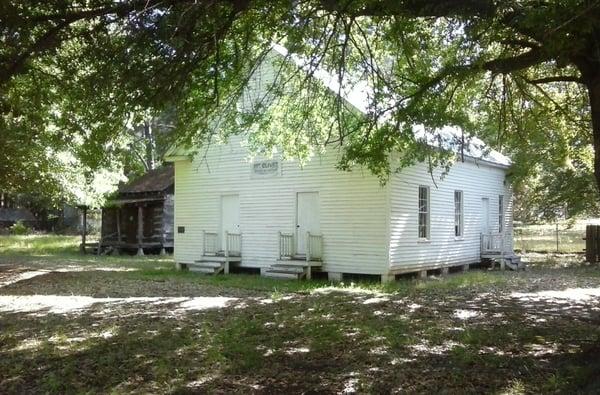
230	216
307	218
485	215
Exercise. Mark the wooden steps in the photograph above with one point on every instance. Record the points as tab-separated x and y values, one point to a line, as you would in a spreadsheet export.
206	267
212	264
512	262
293	269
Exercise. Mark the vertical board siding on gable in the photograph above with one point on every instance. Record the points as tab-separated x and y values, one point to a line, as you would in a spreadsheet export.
353	209
443	248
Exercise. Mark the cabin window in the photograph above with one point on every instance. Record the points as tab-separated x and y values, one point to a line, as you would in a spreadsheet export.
423	212
458	213
500	213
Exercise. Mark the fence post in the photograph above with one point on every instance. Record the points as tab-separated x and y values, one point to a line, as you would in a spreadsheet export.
592	242
596	256
557	249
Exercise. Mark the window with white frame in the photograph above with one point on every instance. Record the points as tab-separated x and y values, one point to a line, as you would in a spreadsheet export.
458	213
500	213
423	212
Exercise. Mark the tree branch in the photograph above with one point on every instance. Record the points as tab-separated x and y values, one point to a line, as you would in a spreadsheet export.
517	62
415	8
557	78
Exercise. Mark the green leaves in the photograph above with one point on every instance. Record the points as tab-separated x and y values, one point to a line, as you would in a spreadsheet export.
78	79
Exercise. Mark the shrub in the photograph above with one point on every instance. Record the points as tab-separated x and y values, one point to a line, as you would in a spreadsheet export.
19	228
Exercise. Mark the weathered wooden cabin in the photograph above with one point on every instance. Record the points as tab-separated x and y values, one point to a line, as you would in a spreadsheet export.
140	218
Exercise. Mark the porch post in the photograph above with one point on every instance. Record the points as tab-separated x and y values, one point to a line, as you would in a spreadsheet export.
140	230
162	230
118	214
226	268
307	247
83	229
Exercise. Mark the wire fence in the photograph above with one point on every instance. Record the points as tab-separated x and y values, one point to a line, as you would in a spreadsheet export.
561	237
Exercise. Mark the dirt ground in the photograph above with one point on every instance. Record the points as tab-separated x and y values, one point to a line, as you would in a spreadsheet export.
122	329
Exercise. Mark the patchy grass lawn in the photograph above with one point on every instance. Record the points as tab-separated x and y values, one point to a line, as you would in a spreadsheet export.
39	244
542	237
126	325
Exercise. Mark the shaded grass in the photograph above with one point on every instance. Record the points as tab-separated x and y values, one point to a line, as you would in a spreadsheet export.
311	337
310	343
278	286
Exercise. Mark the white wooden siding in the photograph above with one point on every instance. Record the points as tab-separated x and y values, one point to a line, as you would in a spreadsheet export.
353	209
443	248
366	228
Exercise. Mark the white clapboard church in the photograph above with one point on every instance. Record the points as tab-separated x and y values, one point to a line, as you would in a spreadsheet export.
291	221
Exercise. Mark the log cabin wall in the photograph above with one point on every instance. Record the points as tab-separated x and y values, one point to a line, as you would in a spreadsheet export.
153	192
152	214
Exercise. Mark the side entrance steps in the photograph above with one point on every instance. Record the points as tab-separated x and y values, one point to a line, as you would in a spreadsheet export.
512	262
212	264
206	267
295	268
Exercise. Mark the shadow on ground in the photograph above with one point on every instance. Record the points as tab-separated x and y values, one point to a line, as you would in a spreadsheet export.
537	337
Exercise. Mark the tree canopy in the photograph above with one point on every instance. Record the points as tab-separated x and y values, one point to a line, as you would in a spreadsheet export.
522	75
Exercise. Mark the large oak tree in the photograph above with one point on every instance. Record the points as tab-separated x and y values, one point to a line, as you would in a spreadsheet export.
524	75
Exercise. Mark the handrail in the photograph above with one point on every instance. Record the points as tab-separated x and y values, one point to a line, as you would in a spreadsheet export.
492	242
286	245
314	246
233	244
210	242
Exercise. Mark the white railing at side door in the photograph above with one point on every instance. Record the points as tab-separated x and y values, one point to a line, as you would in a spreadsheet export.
286	245
314	247
210	241
233	244
492	242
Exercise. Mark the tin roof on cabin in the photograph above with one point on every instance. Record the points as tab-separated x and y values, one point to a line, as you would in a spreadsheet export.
157	180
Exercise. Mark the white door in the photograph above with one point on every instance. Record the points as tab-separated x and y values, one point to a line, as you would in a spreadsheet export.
485	215
307	218
230	216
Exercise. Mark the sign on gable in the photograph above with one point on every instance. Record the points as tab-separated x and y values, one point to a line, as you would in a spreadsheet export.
266	168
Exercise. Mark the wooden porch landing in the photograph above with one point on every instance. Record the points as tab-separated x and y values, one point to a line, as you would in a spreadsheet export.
493	248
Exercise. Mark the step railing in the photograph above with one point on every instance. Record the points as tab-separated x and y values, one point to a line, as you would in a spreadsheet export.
233	244
210	243
492	243
286	245
314	247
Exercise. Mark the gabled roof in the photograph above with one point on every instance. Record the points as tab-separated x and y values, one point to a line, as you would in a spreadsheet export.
453	138
359	94
157	180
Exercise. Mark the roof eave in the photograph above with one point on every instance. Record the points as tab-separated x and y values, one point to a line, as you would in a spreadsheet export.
487	162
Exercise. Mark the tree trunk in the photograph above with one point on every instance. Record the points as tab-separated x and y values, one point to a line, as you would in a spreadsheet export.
593	86
149	145
589	67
